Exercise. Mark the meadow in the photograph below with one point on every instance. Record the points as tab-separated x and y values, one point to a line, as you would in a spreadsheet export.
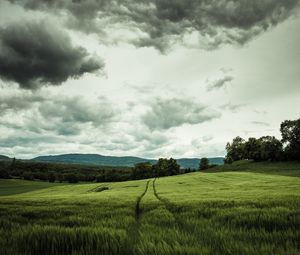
245	208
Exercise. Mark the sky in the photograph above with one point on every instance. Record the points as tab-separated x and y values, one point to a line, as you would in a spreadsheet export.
155	78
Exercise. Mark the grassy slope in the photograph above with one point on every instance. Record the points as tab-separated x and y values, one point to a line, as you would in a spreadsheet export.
274	168
228	212
14	186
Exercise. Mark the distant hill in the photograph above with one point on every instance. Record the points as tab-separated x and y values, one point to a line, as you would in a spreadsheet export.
96	159
3	157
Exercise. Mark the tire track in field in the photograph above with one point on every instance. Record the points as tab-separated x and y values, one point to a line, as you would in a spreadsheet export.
165	201
175	211
171	208
133	232
138	202
168	205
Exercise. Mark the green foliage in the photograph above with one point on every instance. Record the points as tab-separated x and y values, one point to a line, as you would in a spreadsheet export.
271	148
290	132
267	147
166	167
71	178
4	174
142	171
45	171
28	176
51	177
204	164
235	150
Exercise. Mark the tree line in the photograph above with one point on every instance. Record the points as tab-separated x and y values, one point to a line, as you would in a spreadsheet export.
59	172
267	148
72	173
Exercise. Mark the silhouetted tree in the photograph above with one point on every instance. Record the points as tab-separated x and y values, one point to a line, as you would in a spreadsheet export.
290	132
142	170
12	165
252	149
51	177
204	164
235	150
165	167
270	148
71	178
4	174
28	176
173	167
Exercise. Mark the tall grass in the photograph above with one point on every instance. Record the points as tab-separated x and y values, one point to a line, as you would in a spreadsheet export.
198	213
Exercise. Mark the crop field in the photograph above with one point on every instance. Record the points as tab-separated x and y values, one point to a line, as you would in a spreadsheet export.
256	211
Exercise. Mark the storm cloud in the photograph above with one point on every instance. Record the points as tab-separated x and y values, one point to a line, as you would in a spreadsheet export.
164	22
167	89
168	113
36	53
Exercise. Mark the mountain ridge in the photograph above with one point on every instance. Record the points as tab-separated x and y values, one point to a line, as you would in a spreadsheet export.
3	157
102	160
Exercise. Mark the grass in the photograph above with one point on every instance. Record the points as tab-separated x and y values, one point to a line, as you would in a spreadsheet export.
240	209
15	186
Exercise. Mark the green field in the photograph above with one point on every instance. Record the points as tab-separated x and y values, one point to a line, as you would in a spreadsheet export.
247	208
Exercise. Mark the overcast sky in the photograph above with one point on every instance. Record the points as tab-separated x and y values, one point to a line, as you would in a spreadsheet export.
149	78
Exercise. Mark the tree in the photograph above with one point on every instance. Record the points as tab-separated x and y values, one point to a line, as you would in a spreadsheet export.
142	170
290	132
252	149
71	178
204	164
13	164
228	159
165	167
161	167
270	148
28	176
60	178
51	177
4	174
235	150
40	176
173	167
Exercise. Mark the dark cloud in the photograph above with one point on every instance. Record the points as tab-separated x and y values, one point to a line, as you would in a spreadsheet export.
219	83
217	21
36	53
165	114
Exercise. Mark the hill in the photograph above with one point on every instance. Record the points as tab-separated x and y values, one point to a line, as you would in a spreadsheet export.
3	157
96	159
